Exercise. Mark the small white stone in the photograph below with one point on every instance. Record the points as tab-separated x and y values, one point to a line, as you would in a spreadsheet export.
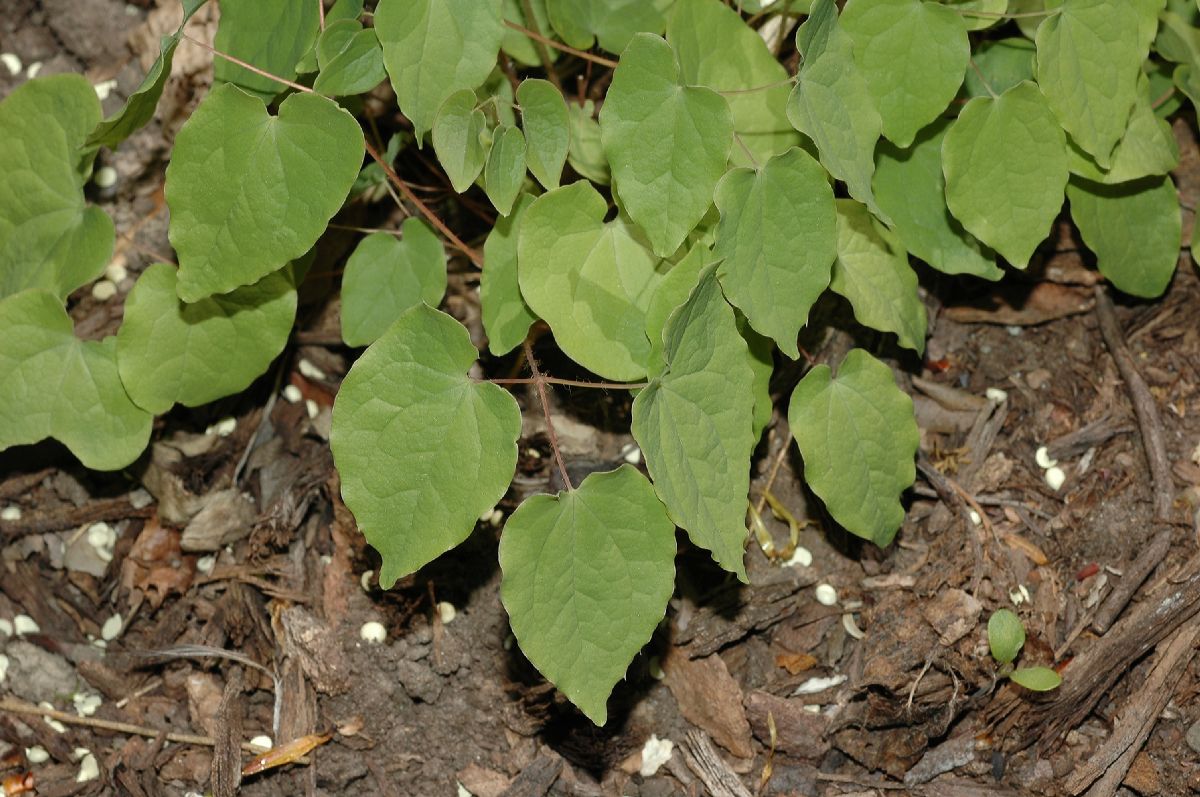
86	703
33	69
262	742
1043	459
826	594
975	519
996	395
292	394
103	290
53	723
10	513
373	632
1024	592
1196	454
509	641
24	624
6	627
99	643
496	517
104	88
655	667
632	454
655	753
1013	330
1016	597
462	790
105	177
310	371
103	539
3	667
813	708
312	408
12	61
205	564
365	580
446	612
818	684
111	628
36	754
223	427
1055	477
326	559
116	270
852	627
801	557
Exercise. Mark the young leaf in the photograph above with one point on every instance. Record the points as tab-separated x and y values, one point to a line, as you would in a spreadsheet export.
248	192
272	35
385	276
667	143
547	130
832	104
909	186
697	29
433	48
1133	228
586	151
1088	61
1002	64
1005	162
506	317
422	449
505	168
774	269
587	577
1006	635
614	22
858	437
873	273
58	386
913	55
342	9
49	238
169	352
590	280
335	39
671	292
1147	148
355	68
693	424
1037	679
456	132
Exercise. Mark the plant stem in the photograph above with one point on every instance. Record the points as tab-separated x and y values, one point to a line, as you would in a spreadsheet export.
970	12
982	79
775	85
539	382
540	45
537	37
552	380
249	66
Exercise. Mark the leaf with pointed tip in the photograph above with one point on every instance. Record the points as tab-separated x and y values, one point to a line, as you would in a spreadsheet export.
456	139
1147	148
858	437
385	276
667	143
50	238
169	352
353	67
590	280
506	316
249	192
614	23
1134	230
547	129
272	35
587	577
342	9
670	293
56	385
505	169
913	55
873	273
1037	679
433	48
909	185
1007	204
422	449
774	269
694	425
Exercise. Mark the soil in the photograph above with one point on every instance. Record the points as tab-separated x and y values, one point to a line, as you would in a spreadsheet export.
241	586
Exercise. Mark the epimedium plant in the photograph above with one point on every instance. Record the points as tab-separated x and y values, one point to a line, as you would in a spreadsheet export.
713	197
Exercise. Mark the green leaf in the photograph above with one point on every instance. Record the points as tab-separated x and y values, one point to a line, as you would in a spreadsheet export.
613	22
139	108
422	449
698	29
457	139
858	437
1005	162
774	269
335	39
667	144
342	9
49	238
506	317
672	292
433	48
272	35
991	8
519	46
169	352
832	104
248	192
355	68
1134	230
385	276
873	273
1088	61
589	280
1006	635
1147	148
58	386
586	152
587	577
547	127
909	186
1002	64
913	55
693	424
762	363
1037	679
505	168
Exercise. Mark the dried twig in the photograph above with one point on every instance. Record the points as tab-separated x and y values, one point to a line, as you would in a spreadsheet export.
101	509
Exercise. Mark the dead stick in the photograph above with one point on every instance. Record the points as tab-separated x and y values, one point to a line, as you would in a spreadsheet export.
59	519
1137	572
1144	406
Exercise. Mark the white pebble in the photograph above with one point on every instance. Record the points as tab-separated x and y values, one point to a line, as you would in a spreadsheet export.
223	427
99	643
852	627
373	632
24	624
86	704
116	271
446	612
975	519
262	742
10	513
292	394
33	69
365	580
6	627
326	559
105	177
632	454
3	667
205	564
655	667
462	790
813	708
103	539
36	754
310	371
53	723
996	395
103	290
1055	477
1043	459
655	753
111	628
1013	330
311	407
1196	454
12	61
104	88
818	684
826	594
801	557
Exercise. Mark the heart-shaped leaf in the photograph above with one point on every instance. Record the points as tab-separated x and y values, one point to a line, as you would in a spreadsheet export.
505	170
456	139
547	129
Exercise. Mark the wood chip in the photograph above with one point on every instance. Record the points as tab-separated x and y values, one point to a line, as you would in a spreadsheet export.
709	698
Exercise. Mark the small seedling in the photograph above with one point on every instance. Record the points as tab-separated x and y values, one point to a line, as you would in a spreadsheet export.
1006	637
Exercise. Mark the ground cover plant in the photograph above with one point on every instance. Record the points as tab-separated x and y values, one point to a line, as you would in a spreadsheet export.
673	233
